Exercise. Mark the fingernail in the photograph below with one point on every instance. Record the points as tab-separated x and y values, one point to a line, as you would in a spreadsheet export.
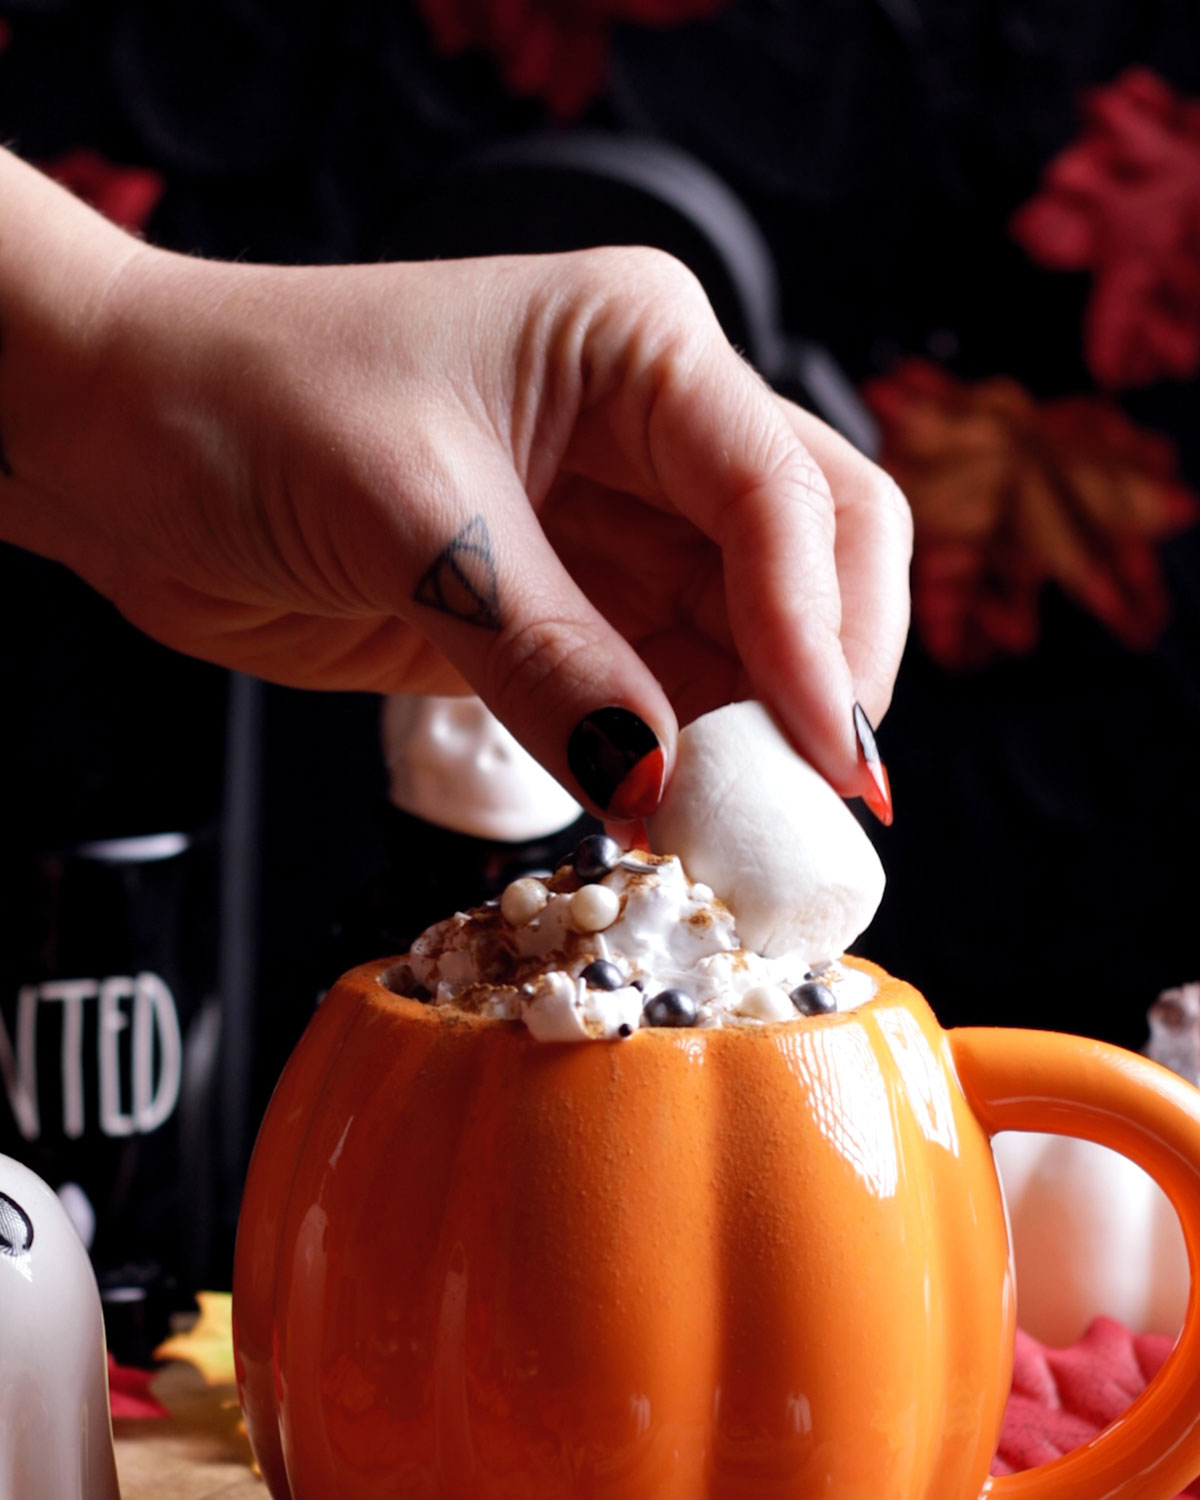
877	791
617	760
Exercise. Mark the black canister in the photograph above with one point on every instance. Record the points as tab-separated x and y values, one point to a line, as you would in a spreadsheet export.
110	1031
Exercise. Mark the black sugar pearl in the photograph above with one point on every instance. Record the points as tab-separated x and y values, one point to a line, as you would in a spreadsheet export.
601	975
596	856
670	1008
813	999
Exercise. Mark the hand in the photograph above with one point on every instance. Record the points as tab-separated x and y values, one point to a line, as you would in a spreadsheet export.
549	478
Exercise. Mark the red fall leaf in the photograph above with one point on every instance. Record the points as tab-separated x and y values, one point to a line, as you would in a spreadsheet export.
1123	202
1009	495
126	195
129	1393
1063	1397
553	50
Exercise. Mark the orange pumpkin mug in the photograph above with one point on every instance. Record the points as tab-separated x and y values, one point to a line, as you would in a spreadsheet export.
746	1263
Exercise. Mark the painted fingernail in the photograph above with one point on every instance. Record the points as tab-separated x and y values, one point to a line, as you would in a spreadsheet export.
877	791
617	760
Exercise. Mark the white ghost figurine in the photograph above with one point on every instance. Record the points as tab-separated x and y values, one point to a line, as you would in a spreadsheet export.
55	1431
451	762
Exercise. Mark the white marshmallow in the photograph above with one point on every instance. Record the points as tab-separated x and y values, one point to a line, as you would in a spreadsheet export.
749	817
552	1012
767	1002
563	1009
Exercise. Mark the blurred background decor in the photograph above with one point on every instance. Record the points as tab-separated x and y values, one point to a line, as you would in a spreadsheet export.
964	231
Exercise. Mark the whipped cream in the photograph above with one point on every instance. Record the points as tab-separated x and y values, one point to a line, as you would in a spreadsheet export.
598	956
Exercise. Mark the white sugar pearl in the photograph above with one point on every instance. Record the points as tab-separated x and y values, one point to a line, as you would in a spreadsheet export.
593	908
522	900
767	1002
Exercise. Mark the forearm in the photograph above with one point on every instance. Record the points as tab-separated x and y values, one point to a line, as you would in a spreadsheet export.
59	265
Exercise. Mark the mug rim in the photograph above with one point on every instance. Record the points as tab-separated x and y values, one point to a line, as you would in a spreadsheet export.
371	977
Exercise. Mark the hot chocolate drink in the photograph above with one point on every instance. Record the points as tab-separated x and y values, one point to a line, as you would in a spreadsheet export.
617	940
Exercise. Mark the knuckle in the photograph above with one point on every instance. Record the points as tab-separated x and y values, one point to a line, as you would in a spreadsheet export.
796	476
780	489
661	285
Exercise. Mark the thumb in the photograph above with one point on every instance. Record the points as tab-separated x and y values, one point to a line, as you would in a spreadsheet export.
496	600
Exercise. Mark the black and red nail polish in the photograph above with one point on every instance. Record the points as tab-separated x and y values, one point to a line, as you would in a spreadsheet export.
616	758
877	790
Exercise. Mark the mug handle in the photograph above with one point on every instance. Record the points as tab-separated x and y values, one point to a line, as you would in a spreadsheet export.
1066	1085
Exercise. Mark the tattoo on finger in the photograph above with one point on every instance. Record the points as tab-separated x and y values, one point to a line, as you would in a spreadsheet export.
461	580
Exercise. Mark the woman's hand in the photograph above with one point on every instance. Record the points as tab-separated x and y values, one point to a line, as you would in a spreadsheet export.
549	478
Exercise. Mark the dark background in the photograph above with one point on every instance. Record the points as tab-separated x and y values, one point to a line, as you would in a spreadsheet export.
1041	866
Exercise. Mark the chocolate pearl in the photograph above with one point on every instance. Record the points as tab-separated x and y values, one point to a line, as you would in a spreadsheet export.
601	975
813	999
596	856
670	1008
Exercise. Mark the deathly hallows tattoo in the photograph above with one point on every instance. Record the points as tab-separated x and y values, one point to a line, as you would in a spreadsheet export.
461	580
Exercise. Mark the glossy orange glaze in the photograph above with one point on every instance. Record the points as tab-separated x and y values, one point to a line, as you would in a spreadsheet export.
737	1263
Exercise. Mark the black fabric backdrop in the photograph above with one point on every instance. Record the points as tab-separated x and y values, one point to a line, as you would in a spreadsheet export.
1041	866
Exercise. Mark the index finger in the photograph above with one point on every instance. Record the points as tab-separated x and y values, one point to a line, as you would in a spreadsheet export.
728	457
873	551
671	412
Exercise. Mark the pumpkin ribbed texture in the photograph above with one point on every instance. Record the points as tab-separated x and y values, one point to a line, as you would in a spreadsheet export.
690	1265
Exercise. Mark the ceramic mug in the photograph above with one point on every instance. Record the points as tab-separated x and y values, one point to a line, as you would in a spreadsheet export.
736	1263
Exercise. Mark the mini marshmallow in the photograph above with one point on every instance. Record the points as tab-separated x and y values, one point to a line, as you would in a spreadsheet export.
767	1002
752	819
552	1013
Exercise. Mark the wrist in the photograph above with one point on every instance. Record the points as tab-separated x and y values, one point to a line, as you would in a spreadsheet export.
61	268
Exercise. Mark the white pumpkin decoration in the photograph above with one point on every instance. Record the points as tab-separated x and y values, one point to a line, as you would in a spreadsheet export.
1092	1233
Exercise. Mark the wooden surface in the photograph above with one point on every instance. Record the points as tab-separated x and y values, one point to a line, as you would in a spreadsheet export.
199	1452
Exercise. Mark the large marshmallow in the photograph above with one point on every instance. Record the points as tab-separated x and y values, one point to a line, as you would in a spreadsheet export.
750	818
